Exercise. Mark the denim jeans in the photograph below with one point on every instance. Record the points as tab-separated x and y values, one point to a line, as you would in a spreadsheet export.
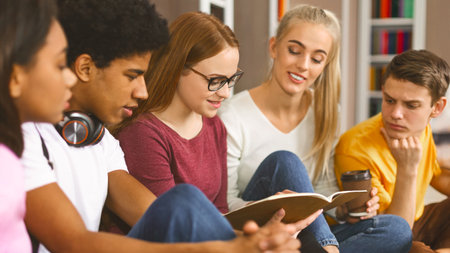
182	214
283	170
383	233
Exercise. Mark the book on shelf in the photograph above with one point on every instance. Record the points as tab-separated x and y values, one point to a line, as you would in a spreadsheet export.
408	8
392	42
395	8
407	40
392	8
372	78
384	42
400	47
297	206
388	41
376	76
385	10
374	106
375	9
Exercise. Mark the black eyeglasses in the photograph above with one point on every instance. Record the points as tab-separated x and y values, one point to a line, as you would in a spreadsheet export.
216	83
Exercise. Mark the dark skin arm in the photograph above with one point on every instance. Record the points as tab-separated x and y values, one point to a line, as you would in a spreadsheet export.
55	222
127	198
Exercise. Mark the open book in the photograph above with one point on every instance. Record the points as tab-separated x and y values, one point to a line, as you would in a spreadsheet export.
296	205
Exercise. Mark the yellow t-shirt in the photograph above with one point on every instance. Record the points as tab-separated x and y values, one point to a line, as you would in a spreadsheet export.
364	147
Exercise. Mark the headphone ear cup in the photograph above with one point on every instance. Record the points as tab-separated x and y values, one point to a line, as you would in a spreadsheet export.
97	133
76	129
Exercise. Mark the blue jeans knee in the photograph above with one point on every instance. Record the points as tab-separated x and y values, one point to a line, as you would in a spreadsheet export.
382	233
182	214
279	171
285	163
283	170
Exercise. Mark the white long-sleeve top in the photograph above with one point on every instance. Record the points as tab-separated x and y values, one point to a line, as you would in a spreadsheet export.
252	137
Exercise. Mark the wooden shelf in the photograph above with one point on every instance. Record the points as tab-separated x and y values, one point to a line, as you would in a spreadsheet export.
381	58
392	22
375	94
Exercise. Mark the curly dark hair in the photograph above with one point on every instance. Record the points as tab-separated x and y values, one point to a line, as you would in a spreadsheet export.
111	29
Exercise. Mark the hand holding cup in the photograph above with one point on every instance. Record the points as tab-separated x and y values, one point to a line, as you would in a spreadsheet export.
357	180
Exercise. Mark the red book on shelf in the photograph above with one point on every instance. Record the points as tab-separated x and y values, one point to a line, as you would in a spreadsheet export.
400	41
389	11
384	8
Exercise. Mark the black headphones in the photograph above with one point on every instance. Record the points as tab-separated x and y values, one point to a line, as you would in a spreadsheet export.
80	129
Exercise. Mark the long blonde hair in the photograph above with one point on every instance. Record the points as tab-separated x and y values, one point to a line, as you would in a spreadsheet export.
326	87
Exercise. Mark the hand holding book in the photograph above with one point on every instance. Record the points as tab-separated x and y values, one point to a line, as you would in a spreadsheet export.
297	206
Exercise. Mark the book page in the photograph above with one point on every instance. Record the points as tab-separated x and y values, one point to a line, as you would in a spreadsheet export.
297	206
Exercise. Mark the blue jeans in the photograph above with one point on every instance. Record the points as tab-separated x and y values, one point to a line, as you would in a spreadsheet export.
182	214
383	233
283	170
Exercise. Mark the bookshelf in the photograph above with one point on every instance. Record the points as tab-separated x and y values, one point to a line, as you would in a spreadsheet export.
386	28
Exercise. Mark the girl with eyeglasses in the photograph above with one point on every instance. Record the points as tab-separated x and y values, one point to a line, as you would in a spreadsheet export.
175	136
294	114
35	86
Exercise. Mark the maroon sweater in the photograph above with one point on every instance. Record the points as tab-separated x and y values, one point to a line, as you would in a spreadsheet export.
160	158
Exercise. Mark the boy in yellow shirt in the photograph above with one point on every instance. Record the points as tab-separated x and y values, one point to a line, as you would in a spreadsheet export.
397	146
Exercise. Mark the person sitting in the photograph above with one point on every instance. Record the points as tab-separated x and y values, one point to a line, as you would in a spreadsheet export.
397	147
32	66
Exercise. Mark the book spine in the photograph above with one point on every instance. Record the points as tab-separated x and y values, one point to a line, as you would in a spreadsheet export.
375	8
372	78
392	42
378	77
401	10
384	42
384	9
389	10
408	8
394	9
375	106
400	41
407	40
375	42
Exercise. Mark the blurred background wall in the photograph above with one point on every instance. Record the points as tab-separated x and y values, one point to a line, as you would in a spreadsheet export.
251	25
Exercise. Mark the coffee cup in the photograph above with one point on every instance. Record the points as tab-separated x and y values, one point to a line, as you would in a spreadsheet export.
357	180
